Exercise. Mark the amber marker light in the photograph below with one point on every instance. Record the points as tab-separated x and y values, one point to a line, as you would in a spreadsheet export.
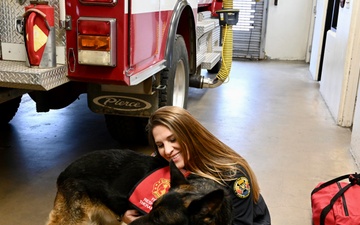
87	42
96	41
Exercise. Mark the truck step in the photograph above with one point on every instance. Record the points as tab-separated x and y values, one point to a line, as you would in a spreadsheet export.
204	15
210	60
217	49
205	26
14	74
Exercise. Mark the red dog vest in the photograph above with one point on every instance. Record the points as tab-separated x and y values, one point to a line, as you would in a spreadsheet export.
153	186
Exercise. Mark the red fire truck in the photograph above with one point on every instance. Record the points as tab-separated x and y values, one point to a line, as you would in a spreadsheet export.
130	57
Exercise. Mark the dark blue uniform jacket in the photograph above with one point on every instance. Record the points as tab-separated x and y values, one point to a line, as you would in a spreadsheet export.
245	211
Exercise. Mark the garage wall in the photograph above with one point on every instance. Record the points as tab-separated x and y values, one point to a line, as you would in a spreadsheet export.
287	29
339	78
355	70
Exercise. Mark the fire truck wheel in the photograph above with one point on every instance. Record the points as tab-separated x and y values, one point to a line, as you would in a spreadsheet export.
8	110
127	130
176	78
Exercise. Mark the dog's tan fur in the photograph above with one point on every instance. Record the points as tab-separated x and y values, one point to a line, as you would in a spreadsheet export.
94	190
81	212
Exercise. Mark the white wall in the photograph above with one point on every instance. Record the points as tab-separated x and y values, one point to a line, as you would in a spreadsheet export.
288	29
355	135
317	39
338	84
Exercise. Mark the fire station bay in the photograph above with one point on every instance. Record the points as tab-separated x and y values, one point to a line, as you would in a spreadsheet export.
275	80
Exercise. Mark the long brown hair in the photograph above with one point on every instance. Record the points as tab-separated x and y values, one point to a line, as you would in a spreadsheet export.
209	157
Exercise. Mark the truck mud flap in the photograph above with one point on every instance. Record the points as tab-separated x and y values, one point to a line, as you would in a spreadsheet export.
125	104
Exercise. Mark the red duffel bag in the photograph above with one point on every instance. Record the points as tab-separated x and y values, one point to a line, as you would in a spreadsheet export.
337	203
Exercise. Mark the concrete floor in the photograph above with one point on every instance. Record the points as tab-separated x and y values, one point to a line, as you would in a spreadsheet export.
271	112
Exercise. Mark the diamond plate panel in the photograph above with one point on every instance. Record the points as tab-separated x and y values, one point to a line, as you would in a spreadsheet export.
203	27
210	60
204	15
18	75
216	36
208	34
10	9
200	58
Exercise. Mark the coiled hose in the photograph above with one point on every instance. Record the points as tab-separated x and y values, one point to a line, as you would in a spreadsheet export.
226	54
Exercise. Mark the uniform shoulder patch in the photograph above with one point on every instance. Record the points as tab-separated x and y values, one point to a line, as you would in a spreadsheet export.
242	187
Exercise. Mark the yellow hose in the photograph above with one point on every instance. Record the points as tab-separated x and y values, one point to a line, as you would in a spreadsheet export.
227	50
226	54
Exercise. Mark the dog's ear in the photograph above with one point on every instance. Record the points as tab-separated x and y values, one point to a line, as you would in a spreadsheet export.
177	178
206	208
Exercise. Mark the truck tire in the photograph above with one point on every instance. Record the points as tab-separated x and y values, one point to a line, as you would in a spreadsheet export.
126	130
176	78
8	110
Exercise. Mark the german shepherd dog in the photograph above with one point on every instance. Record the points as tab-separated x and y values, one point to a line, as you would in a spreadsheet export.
190	201
95	188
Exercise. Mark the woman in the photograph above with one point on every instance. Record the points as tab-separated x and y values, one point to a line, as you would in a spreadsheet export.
178	136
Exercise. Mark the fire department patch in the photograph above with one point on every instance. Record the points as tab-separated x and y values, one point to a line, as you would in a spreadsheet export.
161	187
242	187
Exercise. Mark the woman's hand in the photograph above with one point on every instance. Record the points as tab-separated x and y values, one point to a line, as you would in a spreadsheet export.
130	215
